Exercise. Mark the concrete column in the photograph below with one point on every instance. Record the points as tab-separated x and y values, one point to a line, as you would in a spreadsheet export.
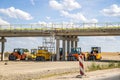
2	47
72	43
76	44
57	49
68	46
64	51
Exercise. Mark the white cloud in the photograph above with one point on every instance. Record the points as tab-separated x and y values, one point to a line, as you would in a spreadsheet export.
113	10
3	21
32	2
42	22
32	38
47	17
16	13
64	5
93	21
55	5
78	17
71	4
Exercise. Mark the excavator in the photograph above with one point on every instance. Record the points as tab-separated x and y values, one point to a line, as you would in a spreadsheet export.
18	53
95	54
43	54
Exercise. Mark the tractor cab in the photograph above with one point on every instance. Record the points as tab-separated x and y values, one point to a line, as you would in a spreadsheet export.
95	50
95	53
20	51
33	51
75	50
73	55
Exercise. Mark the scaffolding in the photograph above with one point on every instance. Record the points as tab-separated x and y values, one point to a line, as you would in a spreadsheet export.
49	42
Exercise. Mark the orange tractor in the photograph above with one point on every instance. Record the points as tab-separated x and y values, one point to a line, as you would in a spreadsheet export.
18	53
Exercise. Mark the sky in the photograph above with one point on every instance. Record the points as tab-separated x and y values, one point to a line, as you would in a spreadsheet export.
61	11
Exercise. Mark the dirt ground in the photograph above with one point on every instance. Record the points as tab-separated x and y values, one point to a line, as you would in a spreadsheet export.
94	75
110	56
32	70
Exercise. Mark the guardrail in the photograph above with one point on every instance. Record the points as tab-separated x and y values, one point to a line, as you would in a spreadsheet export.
70	26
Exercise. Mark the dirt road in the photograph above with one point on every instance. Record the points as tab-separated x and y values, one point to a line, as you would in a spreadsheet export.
28	70
95	75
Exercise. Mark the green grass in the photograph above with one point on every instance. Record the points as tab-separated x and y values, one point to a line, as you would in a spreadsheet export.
94	66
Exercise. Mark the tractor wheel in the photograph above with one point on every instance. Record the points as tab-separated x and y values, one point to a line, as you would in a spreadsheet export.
42	58
38	58
12	57
29	59
71	58
68	58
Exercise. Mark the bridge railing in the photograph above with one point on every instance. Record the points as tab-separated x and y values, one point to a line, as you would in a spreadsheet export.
69	26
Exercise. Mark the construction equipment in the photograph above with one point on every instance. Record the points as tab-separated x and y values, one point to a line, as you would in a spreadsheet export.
95	54
18	53
43	54
73	55
32	55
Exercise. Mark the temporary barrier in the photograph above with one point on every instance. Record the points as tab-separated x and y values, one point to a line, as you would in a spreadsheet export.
81	61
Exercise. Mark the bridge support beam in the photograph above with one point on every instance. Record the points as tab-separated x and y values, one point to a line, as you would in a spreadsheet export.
2	40
57	49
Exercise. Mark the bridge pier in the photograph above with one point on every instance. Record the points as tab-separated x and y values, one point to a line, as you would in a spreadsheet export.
64	50
68	42
57	49
2	40
68	46
76	44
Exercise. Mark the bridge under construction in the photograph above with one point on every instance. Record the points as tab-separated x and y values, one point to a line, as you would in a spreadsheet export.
68	33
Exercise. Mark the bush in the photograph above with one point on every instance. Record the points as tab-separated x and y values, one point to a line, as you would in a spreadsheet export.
118	64
94	67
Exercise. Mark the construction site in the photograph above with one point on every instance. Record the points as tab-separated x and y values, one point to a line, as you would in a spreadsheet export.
59	39
50	61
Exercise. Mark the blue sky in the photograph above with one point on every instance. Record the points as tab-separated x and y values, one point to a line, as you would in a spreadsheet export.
59	11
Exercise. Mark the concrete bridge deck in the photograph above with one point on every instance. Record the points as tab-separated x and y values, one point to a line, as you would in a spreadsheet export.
67	30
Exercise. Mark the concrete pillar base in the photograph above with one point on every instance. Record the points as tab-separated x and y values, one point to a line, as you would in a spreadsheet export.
2	40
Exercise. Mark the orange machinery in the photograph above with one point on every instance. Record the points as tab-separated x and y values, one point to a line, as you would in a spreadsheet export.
18	53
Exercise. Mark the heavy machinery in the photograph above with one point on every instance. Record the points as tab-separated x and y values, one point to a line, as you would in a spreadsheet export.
95	54
32	54
73	55
18	53
43	54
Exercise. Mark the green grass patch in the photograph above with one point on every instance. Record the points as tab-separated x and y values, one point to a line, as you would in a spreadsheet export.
94	66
